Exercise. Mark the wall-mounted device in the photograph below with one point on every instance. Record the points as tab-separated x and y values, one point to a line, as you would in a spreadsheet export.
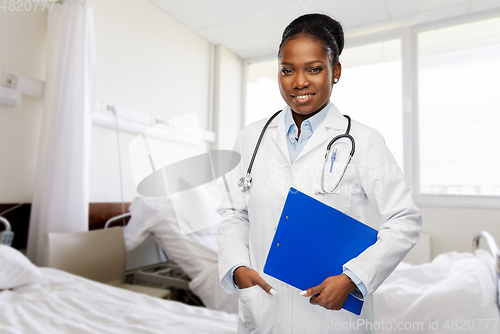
12	85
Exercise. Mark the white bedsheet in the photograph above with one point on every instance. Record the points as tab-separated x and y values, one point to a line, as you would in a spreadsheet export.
455	293
454	287
65	303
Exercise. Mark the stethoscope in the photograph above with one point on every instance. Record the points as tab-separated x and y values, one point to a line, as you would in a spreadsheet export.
335	165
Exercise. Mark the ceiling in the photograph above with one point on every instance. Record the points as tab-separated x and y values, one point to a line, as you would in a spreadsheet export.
252	29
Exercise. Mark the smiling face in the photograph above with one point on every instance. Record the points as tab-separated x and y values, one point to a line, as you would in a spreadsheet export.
306	75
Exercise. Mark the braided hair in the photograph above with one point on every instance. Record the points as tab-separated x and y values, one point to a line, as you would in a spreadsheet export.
321	27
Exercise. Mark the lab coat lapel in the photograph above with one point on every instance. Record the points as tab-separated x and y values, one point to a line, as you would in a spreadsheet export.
277	127
319	137
333	119
279	137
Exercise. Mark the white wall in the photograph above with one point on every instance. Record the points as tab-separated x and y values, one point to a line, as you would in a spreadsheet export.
148	62
451	229
22	45
228	96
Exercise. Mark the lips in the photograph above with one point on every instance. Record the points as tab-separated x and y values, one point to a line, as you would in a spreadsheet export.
303	97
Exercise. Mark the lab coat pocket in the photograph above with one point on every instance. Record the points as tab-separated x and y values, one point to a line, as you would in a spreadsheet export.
340	199
249	310
249	291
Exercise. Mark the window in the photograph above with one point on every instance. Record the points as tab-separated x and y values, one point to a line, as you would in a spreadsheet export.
446	75
372	71
263	97
370	90
459	109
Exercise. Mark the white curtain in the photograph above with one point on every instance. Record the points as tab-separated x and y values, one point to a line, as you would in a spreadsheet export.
60	198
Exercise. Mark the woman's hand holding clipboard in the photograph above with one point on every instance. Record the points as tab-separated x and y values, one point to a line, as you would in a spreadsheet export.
312	242
332	293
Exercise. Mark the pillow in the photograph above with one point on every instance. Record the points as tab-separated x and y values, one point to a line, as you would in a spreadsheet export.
16	270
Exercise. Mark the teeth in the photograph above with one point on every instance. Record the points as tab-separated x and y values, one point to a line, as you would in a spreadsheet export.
303	96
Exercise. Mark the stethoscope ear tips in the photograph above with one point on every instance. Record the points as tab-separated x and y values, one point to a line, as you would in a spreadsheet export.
244	183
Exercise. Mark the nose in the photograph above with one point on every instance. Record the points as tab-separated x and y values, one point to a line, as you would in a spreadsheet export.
300	81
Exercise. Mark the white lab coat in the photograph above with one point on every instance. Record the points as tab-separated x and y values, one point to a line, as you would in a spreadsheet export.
248	221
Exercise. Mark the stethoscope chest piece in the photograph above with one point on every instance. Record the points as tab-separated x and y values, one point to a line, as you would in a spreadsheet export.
245	182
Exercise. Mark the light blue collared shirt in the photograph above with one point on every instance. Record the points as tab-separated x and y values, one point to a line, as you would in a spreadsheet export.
306	131
294	148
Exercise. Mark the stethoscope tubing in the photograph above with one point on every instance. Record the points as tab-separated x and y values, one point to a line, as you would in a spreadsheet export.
345	135
260	139
245	182
340	179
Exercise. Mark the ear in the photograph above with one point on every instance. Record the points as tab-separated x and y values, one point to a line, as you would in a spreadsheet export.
337	71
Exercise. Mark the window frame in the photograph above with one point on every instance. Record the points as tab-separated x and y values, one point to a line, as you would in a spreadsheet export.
411	140
429	199
404	34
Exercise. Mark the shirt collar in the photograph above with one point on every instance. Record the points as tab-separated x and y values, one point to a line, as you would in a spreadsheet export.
315	121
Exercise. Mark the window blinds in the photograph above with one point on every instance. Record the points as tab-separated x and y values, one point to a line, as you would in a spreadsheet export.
459	109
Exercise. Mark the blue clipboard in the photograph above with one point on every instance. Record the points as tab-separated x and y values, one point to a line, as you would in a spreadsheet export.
313	241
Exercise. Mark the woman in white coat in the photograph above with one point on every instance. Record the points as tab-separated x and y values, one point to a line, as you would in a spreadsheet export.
292	154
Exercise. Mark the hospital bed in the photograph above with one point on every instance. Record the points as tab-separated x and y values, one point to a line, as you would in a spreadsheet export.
149	264
193	253
146	270
453	290
6	235
98	255
46	300
456	292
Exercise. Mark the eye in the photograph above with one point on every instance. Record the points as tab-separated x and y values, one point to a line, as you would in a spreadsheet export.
316	69
286	71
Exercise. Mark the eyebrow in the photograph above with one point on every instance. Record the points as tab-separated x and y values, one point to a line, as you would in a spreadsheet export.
308	63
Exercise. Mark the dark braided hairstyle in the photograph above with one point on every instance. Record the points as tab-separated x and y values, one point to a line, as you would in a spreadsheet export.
321	27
